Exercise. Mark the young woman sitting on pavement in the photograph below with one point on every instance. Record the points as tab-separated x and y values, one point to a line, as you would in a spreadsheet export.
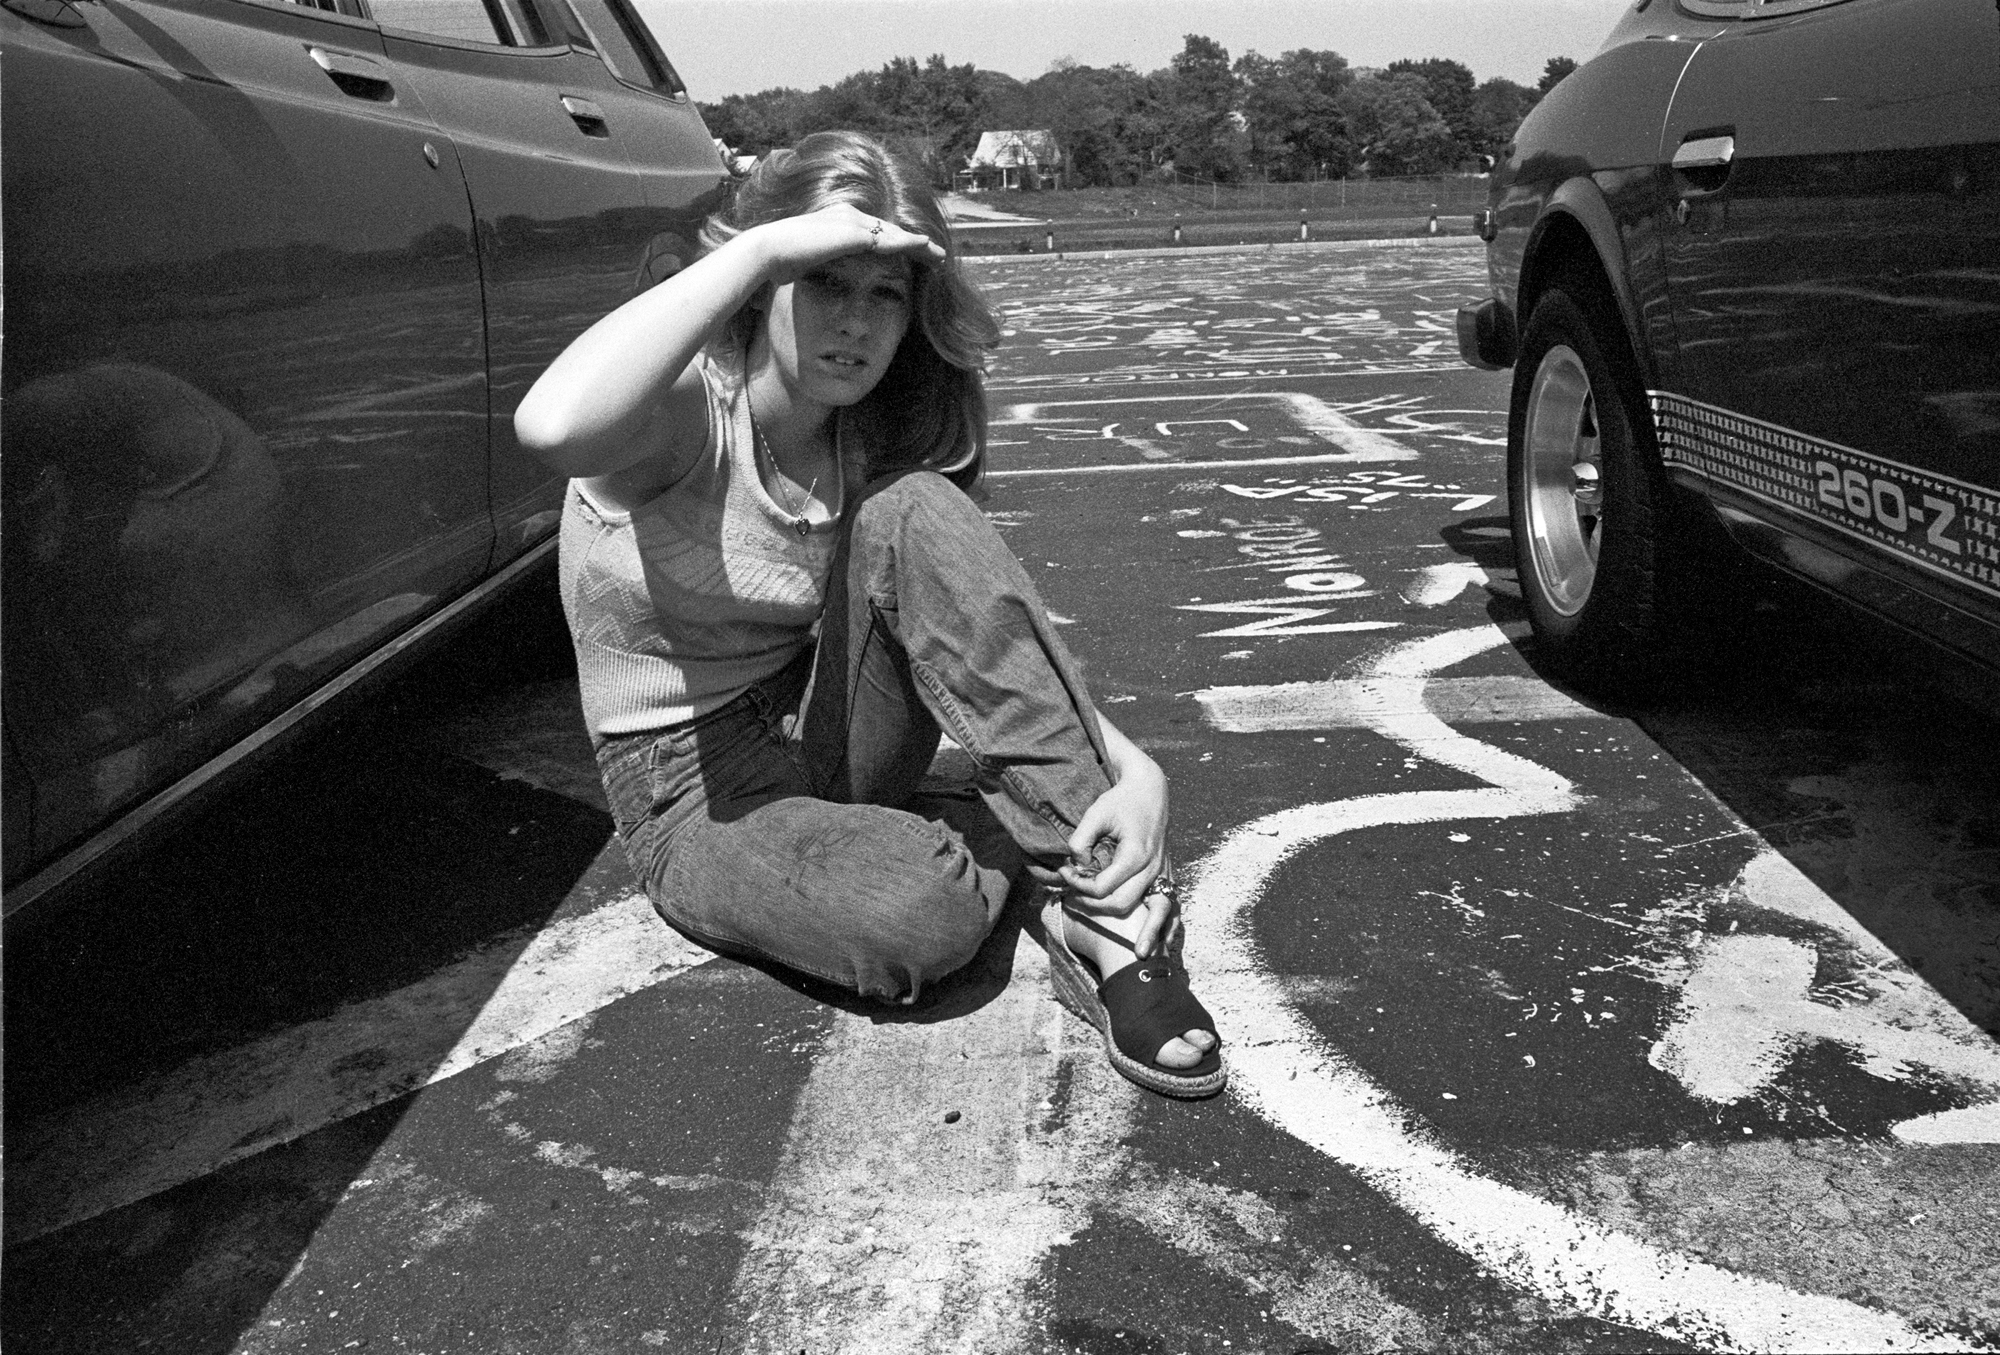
780	592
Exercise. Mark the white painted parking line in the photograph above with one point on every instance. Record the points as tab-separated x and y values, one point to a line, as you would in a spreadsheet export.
888	1228
1285	1071
181	1125
1353	704
1310	413
1032	472
1307	416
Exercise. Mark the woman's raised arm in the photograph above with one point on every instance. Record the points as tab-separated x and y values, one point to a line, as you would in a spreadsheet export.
622	392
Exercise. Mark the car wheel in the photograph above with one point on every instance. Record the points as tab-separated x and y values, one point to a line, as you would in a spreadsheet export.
1595	534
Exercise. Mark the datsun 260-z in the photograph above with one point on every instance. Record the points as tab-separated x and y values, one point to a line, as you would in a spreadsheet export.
1746	268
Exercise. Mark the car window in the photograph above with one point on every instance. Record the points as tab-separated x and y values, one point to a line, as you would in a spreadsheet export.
1761	8
626	46
1752	9
560	22
508	23
465	20
351	8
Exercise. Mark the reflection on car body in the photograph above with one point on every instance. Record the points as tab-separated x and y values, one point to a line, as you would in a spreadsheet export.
1746	262
276	276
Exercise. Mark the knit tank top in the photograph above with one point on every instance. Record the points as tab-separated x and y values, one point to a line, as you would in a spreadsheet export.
680	605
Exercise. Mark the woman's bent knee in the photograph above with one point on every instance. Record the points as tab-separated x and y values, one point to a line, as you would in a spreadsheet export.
872	899
931	908
916	502
943	936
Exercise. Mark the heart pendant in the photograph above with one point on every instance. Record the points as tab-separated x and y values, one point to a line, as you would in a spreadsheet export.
801	526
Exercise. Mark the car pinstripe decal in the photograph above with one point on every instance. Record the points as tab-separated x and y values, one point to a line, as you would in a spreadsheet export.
1946	526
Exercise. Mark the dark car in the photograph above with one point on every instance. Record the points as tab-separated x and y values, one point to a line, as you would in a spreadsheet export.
1746	268
276	277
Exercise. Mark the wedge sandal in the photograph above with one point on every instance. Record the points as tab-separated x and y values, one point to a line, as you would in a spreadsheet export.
1137	1010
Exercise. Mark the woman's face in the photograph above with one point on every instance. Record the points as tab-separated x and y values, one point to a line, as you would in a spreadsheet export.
834	331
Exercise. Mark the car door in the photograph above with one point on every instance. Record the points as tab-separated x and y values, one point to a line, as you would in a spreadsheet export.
677	160
245	406
552	143
1834	274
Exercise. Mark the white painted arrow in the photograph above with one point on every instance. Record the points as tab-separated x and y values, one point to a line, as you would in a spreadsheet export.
1353	703
1436	585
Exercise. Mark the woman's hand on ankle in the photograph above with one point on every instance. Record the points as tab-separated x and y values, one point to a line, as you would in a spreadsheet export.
1131	819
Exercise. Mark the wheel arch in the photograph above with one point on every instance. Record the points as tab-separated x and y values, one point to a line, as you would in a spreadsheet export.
1576	230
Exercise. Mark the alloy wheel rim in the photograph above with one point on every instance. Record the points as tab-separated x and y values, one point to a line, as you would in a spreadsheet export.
1563	480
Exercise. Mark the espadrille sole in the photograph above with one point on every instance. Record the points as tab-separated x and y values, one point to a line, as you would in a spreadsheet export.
1076	988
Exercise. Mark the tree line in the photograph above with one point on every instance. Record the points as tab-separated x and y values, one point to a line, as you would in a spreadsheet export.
1299	116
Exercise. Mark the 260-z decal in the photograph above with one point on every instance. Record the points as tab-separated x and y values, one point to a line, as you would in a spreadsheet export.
1945	525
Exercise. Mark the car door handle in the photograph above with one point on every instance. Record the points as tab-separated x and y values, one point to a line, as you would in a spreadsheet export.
356	76
1703	163
589	118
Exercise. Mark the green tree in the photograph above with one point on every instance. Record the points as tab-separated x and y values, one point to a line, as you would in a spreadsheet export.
755	123
1296	116
1206	132
1004	104
1097	117
1498	106
1297	129
1553	73
849	102
1145	126
931	111
1394	128
1064	101
1448	88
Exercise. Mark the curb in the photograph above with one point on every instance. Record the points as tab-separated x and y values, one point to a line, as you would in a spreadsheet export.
1175	251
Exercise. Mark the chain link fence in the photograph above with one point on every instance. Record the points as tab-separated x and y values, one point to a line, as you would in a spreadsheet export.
1180	210
1452	194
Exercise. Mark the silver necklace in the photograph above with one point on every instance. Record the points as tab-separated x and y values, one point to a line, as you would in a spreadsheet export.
800	523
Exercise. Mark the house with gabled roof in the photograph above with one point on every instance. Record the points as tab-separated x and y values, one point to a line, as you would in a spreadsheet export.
1016	159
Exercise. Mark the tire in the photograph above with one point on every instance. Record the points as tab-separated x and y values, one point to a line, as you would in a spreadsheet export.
1606	556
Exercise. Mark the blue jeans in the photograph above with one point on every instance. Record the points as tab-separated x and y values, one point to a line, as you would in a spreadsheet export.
794	825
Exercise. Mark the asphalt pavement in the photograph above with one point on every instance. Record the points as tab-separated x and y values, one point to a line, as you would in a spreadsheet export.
1552	1026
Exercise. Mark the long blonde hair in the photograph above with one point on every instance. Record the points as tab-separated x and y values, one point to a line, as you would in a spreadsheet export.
929	409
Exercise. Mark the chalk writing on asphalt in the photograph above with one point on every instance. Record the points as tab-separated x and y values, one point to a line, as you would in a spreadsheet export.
1293	1077
1361	489
1153	320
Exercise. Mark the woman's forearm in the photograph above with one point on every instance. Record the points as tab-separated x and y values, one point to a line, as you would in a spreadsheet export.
594	411
1123	758
1132	814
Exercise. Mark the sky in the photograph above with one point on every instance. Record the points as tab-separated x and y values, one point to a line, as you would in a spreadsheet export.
723	47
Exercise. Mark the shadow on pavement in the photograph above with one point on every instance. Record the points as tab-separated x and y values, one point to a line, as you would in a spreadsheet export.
362	861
